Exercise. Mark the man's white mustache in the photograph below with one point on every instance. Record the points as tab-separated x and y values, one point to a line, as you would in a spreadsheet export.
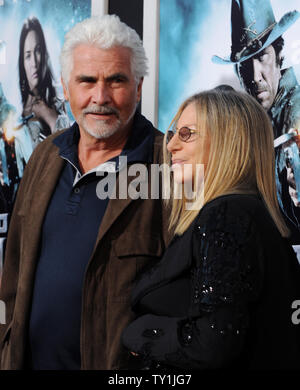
101	110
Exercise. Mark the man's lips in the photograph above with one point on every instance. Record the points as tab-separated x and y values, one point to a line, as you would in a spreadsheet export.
260	94
100	116
100	113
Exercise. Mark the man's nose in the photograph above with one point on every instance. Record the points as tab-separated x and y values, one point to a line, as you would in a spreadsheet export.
101	94
257	74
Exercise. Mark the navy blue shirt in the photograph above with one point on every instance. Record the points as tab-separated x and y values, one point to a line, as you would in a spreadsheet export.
68	237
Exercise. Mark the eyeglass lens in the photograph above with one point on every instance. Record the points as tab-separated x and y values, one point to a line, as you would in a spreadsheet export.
184	134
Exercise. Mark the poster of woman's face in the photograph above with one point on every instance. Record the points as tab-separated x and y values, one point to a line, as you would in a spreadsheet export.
32	59
37	29
31	95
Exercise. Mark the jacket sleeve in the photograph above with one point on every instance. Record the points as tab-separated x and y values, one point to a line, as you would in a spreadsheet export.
10	275
226	277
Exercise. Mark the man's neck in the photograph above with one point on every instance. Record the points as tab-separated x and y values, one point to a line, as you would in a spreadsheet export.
93	152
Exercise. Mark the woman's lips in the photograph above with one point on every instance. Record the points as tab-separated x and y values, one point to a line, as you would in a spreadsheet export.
178	162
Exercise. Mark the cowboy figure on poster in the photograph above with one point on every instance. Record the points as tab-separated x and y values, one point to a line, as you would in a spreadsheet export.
256	53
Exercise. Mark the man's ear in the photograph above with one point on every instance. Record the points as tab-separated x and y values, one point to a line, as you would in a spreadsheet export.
139	89
65	89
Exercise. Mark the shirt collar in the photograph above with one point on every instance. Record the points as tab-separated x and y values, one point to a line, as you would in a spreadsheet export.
287	83
139	146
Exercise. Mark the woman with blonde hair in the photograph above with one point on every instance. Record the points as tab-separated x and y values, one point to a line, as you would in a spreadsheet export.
224	292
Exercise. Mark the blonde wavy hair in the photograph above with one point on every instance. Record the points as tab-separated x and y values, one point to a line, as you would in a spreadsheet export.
241	157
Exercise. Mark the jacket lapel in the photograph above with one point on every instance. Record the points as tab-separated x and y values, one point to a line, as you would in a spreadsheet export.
114	209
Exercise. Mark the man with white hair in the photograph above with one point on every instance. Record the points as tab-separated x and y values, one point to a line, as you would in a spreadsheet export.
72	256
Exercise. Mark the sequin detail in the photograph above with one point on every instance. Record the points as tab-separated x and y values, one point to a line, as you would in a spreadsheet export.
220	273
186	333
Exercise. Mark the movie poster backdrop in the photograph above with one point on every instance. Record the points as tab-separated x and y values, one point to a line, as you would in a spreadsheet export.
191	33
31	96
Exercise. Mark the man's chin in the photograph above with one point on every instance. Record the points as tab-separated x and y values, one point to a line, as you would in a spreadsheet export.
264	101
265	104
103	132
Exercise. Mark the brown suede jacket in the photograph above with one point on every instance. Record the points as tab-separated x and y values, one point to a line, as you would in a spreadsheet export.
133	234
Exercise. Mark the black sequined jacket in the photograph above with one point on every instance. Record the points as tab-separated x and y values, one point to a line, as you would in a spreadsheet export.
222	295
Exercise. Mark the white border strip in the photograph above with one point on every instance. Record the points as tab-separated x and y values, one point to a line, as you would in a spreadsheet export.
151	45
99	7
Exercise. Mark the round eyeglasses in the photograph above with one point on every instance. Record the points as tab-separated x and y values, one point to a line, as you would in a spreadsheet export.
184	133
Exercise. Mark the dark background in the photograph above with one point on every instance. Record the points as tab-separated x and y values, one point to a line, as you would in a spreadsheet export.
130	12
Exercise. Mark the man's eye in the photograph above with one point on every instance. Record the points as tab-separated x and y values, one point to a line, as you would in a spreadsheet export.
118	80
86	80
263	57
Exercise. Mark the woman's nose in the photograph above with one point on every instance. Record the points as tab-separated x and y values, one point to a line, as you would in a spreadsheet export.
174	143
34	61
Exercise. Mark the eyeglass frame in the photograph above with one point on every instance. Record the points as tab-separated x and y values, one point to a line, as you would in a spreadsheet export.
177	131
